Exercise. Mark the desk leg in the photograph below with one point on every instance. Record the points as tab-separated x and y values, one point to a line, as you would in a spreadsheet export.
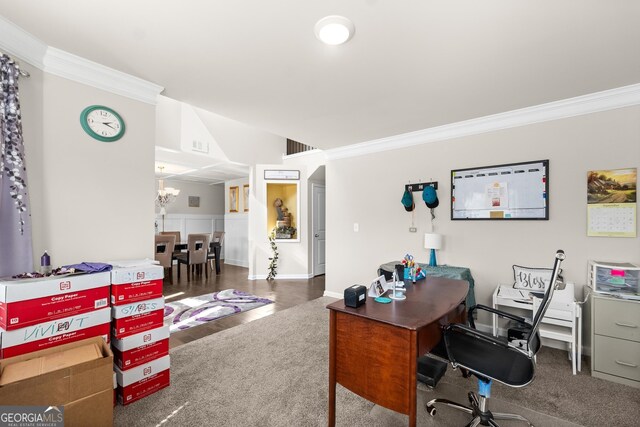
332	368
413	384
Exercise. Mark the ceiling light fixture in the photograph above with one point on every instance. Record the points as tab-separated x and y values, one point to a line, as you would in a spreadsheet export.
334	30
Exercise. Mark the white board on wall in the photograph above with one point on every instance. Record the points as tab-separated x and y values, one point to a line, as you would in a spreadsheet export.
509	191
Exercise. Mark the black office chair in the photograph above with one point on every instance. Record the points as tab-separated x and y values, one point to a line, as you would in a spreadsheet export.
493	358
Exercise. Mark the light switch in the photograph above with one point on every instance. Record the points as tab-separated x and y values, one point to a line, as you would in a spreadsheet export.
356	227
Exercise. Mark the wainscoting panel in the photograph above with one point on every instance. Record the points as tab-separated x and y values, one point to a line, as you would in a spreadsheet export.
236	239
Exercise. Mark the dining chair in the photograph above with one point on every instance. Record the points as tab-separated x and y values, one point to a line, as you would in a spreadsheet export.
196	255
172	233
164	245
178	241
217	237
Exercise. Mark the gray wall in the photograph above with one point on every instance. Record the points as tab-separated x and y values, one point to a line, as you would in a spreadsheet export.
368	189
91	201
211	198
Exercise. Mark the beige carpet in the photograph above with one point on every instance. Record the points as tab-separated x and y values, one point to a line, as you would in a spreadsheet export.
274	372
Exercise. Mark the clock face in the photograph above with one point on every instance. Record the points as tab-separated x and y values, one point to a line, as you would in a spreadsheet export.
102	123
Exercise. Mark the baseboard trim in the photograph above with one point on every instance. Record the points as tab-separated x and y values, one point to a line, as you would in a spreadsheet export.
236	262
281	277
333	294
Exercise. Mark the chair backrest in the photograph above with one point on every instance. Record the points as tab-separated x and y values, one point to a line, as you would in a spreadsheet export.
197	245
172	233
546	300
218	237
164	246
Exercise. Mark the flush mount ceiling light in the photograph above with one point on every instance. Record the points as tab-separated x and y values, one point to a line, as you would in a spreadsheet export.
334	30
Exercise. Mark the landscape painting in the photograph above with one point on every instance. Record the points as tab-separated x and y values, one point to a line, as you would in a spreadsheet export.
612	186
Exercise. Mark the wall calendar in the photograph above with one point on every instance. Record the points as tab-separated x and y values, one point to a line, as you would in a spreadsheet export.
611	203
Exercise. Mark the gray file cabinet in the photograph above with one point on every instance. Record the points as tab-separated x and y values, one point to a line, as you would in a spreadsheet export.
615	339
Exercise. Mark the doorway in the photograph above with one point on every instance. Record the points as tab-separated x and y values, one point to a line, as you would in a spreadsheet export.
318	228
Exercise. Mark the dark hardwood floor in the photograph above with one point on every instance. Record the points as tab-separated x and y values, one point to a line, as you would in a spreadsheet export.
284	293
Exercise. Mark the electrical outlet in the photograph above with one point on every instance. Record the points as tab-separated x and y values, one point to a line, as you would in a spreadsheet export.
356	227
413	229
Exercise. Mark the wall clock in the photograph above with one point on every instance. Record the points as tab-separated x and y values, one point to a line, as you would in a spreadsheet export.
102	123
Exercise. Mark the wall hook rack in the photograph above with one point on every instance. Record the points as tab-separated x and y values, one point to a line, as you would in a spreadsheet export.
419	187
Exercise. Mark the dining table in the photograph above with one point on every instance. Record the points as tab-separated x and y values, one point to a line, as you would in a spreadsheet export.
214	247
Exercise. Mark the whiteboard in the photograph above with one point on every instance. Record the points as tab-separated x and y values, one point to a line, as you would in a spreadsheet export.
510	191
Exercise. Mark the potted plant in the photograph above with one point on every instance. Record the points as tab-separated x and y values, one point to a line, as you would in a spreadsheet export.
285	232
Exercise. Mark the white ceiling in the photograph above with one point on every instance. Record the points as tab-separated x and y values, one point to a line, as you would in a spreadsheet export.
412	64
179	165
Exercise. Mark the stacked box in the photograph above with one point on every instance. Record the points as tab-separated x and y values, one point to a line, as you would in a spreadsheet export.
36	314
143	380
133	284
140	342
77	376
138	349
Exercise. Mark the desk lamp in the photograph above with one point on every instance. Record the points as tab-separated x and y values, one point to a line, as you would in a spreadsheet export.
433	241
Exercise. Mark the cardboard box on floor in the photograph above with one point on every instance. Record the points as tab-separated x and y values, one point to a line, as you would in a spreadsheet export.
83	384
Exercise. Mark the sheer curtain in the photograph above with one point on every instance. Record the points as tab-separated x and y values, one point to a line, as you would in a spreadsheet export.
15	222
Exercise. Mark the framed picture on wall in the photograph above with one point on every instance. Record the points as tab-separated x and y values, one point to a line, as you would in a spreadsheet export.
194	201
233	199
245	197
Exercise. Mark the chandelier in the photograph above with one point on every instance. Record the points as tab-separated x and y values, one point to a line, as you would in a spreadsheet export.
165	196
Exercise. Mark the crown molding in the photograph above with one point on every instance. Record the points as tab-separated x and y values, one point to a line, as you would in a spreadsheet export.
25	46
625	96
81	70
17	42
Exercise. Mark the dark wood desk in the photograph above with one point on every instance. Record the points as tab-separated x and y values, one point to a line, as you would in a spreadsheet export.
373	349
213	247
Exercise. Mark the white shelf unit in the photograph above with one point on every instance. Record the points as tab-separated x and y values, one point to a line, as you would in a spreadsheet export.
562	321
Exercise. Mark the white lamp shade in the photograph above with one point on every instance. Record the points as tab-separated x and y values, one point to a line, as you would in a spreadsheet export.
433	241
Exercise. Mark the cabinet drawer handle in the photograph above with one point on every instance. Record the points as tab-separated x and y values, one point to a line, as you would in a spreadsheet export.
626	325
626	364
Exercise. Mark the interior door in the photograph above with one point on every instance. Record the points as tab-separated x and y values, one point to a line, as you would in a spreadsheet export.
318	226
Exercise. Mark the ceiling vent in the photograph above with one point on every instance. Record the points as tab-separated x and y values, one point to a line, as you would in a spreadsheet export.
200	146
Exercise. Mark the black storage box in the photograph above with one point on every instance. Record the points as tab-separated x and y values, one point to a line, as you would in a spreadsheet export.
355	296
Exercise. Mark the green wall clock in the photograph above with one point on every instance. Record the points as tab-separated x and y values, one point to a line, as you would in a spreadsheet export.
102	123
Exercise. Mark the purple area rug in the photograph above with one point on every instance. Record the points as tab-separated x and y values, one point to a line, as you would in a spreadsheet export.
194	311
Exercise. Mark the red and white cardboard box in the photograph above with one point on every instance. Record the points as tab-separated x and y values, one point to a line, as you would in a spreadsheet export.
50	334
136	317
25	302
131	284
143	380
141	348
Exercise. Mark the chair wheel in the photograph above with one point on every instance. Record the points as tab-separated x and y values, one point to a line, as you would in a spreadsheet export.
431	410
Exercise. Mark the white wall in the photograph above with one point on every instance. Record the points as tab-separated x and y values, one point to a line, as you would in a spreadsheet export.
236	227
168	122
293	260
211	198
90	198
312	162
242	143
367	190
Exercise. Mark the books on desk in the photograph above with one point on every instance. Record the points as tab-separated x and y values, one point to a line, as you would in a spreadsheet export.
514	294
